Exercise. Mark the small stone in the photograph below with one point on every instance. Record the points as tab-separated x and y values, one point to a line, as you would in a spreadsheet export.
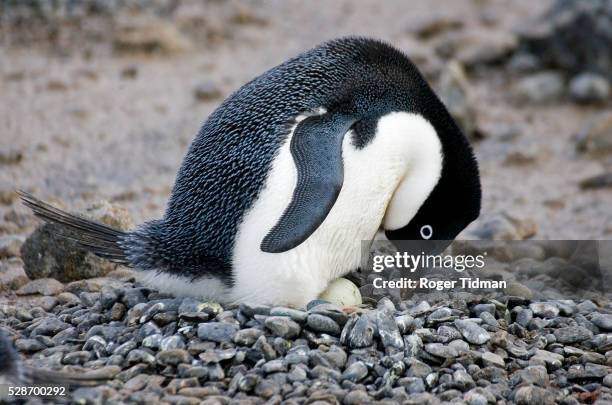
12	275
172	342
589	88
460	346
140	356
598	181
553	361
10	246
436	24
207	91
132	297
357	397
152	341
523	317
463	380
217	331
29	345
388	331
535	375
602	321
43	286
472	332
480	308
355	372
173	357
323	324
282	326
544	309
457	93
150	36
76	358
489	319
68	298
362	334
504	226
92	395
413	385
295	314
10	156
596	138
251	310
540	88
440	350
413	345
492	359
572	334
607	380
516	289
49	327
440	314
246	337
274	366
297	374
418	369
532	395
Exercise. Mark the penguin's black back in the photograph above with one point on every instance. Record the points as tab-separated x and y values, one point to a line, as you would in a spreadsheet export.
228	162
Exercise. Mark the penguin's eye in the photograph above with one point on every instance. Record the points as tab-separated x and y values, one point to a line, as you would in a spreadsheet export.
426	232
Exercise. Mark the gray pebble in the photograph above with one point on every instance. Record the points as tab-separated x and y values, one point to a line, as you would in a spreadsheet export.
472	332
355	372
362	334
572	334
480	308
603	321
440	350
173	357
492	359
295	314
489	319
217	331
172	342
152	341
49	327
29	345
463	380
283	326
544	309
589	88
323	324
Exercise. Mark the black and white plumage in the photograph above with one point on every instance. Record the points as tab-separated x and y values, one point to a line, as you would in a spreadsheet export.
293	171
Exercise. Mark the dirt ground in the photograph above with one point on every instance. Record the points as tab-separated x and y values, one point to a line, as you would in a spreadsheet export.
91	123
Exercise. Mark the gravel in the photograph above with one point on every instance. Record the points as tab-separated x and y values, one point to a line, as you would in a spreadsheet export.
460	348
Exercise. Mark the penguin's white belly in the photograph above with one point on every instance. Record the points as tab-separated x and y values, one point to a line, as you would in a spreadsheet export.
371	176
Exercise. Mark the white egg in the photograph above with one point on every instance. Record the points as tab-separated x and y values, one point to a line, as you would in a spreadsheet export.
342	292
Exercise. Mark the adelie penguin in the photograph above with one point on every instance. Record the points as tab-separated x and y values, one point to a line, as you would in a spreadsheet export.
292	172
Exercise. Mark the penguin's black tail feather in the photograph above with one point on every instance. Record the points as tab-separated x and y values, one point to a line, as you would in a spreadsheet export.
100	239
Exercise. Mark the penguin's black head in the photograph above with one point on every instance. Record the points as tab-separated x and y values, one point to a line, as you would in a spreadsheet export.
455	200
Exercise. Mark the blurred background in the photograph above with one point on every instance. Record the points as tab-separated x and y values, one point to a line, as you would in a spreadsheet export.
101	98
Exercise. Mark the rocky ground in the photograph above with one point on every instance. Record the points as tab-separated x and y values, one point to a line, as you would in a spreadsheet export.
100	100
457	348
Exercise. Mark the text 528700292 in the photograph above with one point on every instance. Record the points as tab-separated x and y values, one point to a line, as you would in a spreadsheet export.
16	391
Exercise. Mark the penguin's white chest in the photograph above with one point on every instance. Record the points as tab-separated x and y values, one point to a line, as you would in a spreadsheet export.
374	177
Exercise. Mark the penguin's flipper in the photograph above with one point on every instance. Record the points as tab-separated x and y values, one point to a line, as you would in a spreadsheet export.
316	148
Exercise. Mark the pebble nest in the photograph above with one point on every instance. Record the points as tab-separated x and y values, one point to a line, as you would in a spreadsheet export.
452	347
